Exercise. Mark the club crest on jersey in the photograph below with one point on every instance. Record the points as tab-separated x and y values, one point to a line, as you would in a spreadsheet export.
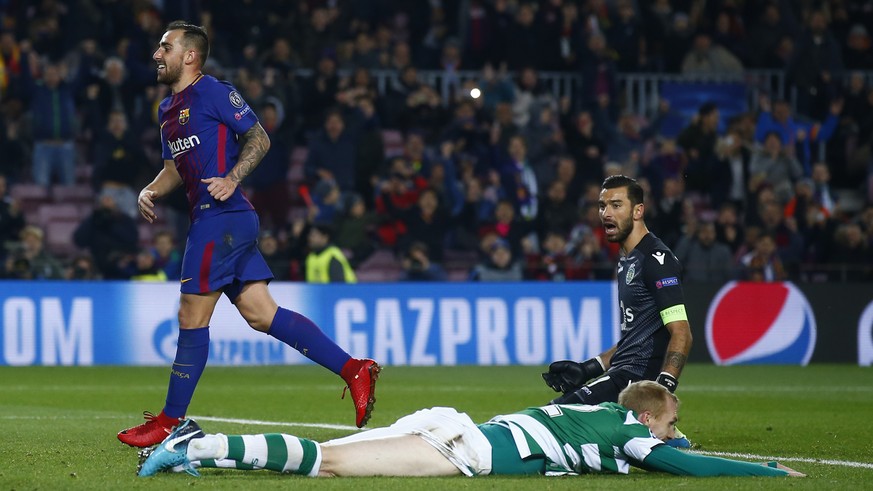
236	100
631	271
184	115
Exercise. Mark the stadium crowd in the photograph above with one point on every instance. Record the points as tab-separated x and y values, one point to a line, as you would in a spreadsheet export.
495	179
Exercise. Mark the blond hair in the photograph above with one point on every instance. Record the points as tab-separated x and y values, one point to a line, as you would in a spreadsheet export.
644	396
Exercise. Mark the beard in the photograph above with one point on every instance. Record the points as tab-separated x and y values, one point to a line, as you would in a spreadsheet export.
623	230
170	75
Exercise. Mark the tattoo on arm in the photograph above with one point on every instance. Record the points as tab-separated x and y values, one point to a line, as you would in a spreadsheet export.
676	360
253	150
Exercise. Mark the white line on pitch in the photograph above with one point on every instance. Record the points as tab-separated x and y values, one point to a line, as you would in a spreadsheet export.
842	463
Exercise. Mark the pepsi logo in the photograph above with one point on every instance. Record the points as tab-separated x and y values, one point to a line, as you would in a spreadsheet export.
760	323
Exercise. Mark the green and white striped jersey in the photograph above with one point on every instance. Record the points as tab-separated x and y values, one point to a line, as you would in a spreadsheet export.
578	439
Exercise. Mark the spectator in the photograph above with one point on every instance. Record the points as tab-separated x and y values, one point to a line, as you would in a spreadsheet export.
599	77
585	147
852	255
815	66
703	258
796	136
709	59
698	140
145	268
355	230
109	235
500	265
523	48
789	244
626	39
119	163
731	171
399	191
515	231
477	209
53	119
267	186
370	156
32	261
766	35
762	263
82	268
326	263
320	93
728	228
418	266
426	222
556	262
812	222
275	255
859	49
530	97
333	153
677	42
519	181
556	213
167	256
11	220
773	167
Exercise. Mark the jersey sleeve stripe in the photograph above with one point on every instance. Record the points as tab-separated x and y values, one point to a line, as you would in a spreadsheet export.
222	137
673	314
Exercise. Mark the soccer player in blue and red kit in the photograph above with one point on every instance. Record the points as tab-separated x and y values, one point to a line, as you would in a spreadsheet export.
211	141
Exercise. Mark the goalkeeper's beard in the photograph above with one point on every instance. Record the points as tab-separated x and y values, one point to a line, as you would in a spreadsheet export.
623	230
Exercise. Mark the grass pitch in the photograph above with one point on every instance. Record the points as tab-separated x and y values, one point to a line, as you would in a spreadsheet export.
59	424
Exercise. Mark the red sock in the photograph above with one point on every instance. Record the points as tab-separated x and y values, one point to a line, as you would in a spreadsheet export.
166	421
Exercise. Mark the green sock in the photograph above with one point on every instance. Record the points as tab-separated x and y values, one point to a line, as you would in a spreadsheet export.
272	451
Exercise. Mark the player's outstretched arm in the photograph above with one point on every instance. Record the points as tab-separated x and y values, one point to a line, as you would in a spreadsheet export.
167	180
664	458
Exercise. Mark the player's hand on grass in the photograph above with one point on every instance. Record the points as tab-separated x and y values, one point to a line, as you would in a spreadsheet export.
146	204
220	188
568	375
791	472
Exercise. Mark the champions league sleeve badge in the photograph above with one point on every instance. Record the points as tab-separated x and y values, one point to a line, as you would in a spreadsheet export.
236	100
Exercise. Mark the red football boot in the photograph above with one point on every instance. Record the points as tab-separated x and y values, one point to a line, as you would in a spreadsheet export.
152	432
360	374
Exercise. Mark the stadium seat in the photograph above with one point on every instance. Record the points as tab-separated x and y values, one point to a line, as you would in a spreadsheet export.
393	142
59	237
79	193
26	191
49	212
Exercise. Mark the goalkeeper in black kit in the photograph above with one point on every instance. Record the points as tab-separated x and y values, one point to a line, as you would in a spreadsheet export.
655	335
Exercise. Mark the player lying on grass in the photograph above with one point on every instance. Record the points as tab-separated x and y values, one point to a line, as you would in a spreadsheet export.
553	440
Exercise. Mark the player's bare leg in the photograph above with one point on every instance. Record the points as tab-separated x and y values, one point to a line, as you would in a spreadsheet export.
404	455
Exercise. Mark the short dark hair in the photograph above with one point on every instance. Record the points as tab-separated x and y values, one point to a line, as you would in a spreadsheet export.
193	36
707	108
634	190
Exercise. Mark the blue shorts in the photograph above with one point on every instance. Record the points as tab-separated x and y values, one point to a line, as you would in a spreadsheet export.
222	255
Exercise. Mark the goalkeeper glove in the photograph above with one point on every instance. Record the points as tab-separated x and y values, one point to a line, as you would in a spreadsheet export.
668	381
567	375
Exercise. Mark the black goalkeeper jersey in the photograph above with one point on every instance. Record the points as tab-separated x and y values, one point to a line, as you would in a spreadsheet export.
650	296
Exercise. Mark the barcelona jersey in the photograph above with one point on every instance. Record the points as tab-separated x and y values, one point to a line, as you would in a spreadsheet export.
199	132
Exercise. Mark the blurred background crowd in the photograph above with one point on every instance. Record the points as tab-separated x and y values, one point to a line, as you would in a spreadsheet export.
458	140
